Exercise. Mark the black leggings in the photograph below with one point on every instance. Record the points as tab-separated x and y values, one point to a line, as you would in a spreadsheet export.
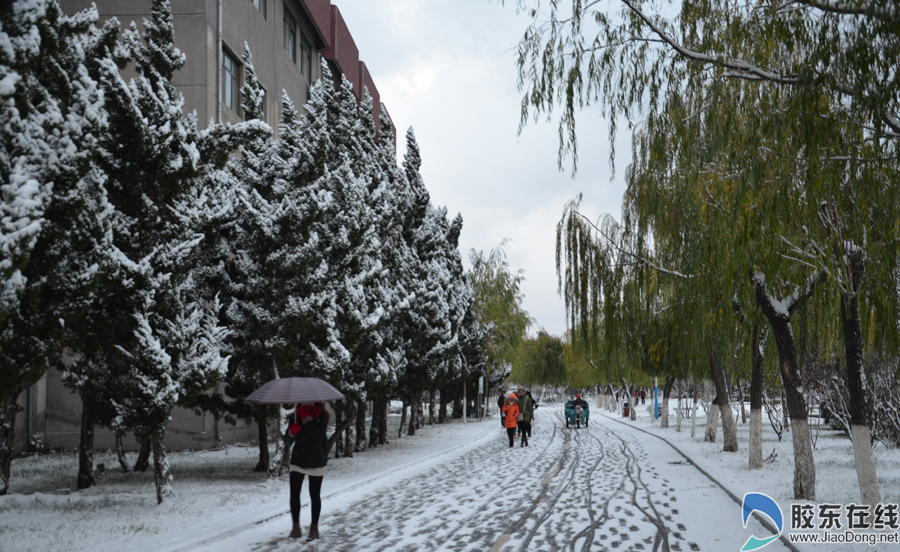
315	499
511	432
525	430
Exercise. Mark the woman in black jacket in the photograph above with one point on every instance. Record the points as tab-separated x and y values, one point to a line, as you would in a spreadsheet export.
308	435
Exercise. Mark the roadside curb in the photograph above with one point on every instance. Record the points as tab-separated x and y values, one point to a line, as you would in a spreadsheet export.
765	522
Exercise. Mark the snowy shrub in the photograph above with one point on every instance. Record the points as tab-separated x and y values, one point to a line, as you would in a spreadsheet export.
36	443
882	394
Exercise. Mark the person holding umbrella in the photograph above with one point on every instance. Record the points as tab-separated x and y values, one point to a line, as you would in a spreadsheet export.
307	434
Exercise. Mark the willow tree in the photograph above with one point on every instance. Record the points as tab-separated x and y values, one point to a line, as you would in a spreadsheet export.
826	59
498	304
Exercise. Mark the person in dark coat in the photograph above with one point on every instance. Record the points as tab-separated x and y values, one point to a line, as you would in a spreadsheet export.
308	435
643	396
500	400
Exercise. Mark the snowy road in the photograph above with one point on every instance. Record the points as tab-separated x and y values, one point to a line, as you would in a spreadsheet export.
605	487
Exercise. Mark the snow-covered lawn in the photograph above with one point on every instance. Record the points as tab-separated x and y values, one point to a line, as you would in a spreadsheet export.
215	492
835	472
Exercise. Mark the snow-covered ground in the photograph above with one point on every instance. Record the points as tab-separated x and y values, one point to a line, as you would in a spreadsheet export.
215	492
451	487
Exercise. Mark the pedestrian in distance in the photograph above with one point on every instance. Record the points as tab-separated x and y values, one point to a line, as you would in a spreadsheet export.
307	433
501	398
534	405
643	396
511	416
526	413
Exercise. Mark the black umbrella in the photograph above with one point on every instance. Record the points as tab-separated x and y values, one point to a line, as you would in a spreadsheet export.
294	391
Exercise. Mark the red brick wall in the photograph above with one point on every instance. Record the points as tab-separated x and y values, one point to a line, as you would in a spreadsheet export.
321	14
343	50
366	79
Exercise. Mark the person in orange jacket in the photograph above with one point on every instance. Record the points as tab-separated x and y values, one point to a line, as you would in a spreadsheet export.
511	414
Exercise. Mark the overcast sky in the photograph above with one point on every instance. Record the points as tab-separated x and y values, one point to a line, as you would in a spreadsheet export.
447	68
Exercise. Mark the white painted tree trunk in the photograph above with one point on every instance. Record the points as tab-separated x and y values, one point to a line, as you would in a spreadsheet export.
804	464
664	413
678	414
712	423
694	419
865	465
729	431
756	459
694	414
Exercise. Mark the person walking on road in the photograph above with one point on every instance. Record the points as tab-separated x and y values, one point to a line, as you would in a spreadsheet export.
534	406
643	396
308	435
511	415
526	413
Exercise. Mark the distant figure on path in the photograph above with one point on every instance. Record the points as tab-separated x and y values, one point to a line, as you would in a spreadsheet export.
579	402
535	405
308	435
643	396
526	413
501	398
511	415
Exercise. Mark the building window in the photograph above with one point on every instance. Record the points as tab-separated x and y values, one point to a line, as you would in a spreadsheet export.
261	6
290	35
231	81
306	58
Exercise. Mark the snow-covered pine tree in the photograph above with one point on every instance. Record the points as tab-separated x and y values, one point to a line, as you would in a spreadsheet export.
237	156
390	204
151	339
53	207
431	323
275	255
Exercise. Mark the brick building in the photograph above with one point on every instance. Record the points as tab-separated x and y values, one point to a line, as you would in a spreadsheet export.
288	40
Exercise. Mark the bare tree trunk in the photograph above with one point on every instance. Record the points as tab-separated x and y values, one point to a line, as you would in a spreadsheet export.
339	422
859	408
402	421
442	410
282	460
382	422
431	399
349	438
120	453
7	436
262	426
465	403
741	400
143	459
161	468
375	423
756	393
86	452
360	444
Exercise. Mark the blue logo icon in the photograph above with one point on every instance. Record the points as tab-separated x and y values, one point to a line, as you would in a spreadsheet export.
764	504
